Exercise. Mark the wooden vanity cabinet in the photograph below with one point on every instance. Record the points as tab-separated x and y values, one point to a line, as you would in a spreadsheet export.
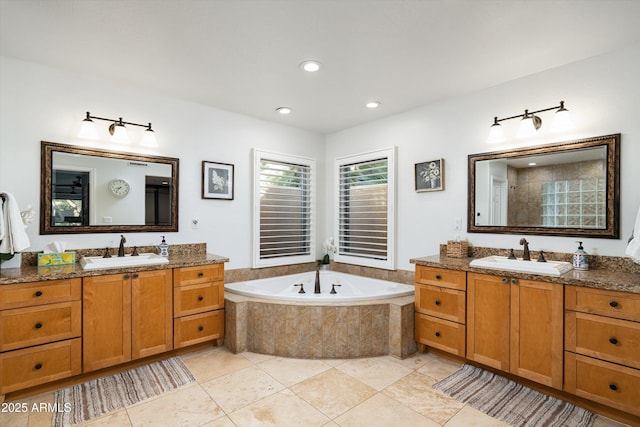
40	326
126	316
602	346
198	304
516	325
440	307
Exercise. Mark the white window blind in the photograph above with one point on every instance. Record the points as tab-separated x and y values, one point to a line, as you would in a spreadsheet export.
283	203
365	222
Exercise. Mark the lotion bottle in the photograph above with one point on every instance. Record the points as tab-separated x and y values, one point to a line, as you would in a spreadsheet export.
164	248
580	258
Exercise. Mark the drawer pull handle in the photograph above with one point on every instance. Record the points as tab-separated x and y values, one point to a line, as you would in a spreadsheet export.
439	277
201	328
38	366
514	281
127	276
613	341
38	294
201	274
505	280
613	387
200	297
135	275
438	302
613	304
38	325
437	334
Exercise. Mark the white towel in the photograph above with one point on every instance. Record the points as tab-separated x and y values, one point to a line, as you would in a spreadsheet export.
1	218
15	238
633	248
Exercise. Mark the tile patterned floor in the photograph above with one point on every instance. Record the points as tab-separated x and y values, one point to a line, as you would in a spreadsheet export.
251	389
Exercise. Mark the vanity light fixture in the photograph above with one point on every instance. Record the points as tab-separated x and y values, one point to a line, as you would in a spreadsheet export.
530	123
117	129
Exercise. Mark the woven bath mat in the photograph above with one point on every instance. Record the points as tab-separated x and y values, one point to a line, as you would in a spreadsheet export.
103	395
511	402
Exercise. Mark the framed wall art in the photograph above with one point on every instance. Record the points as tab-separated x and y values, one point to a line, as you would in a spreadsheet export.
429	176
217	180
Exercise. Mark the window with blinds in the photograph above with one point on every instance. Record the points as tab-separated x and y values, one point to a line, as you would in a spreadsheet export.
365	217
283	203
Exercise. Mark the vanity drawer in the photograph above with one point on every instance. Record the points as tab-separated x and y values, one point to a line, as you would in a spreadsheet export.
38	365
604	382
445	303
441	334
606	338
197	298
198	328
25	327
199	274
623	305
37	293
453	279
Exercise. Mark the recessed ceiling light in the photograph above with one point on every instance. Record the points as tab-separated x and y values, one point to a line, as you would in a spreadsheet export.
373	104
532	164
283	110
310	66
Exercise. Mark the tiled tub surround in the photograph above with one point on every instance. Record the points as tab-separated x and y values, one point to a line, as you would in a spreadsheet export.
320	330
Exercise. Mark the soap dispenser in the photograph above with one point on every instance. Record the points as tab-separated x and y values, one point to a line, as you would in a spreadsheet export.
164	248
580	258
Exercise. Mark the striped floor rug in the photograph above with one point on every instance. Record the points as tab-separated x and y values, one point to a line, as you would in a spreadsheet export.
511	402
103	395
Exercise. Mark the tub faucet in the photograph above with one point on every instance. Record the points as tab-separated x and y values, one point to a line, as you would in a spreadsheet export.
526	256
121	248
317	288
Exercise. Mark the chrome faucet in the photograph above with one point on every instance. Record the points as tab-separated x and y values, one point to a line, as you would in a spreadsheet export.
121	248
526	256
317	288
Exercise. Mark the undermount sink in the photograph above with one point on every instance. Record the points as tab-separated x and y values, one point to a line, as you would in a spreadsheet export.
97	262
552	268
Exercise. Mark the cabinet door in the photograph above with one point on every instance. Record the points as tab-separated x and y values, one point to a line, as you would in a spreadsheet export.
151	313
488	299
106	329
537	331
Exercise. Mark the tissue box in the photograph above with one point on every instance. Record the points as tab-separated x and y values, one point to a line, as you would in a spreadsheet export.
457	249
56	258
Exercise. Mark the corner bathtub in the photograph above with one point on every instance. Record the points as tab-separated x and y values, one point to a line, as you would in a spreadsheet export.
352	288
367	317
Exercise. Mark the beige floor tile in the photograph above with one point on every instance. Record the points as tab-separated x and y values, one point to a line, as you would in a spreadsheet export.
382	411
209	364
414	361
292	371
118	418
15	413
220	422
257	357
376	372
438	367
470	417
333	392
281	409
233	391
415	391
601	421
186	406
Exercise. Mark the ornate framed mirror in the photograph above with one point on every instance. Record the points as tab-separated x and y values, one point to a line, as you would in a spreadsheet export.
86	190
564	189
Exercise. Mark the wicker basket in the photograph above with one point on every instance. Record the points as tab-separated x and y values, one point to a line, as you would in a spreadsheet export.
457	249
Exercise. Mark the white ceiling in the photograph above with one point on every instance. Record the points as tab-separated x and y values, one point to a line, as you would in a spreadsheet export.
243	55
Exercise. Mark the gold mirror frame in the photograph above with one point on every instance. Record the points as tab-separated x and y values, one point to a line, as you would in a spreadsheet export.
47	150
612	206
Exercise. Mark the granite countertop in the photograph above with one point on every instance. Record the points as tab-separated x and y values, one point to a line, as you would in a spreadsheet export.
600	279
34	273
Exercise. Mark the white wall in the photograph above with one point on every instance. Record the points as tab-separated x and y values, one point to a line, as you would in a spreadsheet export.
40	103
602	94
